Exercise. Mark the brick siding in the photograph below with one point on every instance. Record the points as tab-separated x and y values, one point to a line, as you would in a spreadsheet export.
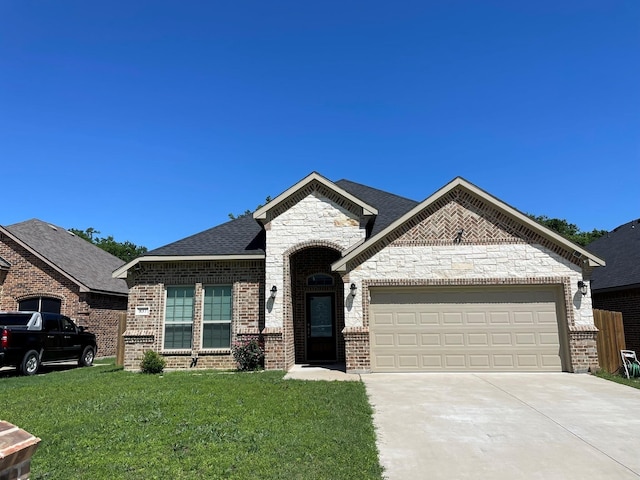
147	288
30	277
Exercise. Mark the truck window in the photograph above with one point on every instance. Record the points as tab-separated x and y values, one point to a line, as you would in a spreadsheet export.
51	324
67	325
14	319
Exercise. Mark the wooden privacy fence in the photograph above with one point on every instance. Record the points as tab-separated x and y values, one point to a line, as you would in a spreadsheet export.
122	326
610	339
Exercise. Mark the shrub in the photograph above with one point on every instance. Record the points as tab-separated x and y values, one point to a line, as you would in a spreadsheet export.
248	353
152	362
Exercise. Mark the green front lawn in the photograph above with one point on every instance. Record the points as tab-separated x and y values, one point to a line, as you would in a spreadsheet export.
104	423
632	382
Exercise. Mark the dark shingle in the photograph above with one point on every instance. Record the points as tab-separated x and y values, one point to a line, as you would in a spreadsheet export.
390	207
80	259
620	248
242	236
245	236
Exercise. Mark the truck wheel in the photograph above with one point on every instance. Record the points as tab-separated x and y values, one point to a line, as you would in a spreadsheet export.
30	363
86	360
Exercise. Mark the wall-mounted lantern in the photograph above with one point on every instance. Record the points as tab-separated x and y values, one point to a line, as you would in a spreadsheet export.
582	286
274	291
353	289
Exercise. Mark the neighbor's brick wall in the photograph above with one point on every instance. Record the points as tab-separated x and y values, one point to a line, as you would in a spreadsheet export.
102	319
147	288
627	302
30	277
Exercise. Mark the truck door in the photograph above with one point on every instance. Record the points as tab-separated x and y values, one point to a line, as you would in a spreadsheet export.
52	338
70	339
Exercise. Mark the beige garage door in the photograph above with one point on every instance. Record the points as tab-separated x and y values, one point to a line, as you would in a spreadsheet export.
465	329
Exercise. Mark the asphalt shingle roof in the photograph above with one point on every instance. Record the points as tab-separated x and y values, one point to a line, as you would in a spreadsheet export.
80	259
620	248
245	236
242	236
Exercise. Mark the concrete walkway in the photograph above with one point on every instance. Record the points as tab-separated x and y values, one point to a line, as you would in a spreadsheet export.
505	426
321	372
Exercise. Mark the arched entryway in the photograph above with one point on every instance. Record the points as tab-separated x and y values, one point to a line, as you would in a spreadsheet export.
317	298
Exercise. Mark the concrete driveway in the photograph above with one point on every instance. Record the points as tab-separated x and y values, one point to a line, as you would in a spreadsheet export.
505	426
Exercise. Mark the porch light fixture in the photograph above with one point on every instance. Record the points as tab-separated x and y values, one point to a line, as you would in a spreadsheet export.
353	289
274	290
582	286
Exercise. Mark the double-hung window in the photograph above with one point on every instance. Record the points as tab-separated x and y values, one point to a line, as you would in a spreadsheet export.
216	319
178	320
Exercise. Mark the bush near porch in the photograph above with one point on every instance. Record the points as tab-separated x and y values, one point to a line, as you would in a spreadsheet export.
104	423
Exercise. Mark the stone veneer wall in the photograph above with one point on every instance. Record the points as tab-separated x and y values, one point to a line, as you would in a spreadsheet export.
147	288
492	251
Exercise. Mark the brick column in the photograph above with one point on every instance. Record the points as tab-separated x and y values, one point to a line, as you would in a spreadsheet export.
584	352
273	349
357	352
16	449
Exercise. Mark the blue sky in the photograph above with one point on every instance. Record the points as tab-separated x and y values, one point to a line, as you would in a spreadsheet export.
153	120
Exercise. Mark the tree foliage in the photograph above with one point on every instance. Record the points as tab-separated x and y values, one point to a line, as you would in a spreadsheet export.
569	230
233	216
126	251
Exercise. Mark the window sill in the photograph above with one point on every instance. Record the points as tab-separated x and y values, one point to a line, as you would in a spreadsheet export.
215	351
180	351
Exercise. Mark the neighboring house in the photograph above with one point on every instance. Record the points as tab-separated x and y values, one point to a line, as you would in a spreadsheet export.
342	272
47	268
617	286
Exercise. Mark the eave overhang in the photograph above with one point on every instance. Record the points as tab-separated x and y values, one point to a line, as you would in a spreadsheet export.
136	263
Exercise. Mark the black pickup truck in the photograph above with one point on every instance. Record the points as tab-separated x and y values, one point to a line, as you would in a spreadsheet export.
29	338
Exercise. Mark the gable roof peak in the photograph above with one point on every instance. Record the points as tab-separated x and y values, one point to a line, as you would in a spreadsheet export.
262	213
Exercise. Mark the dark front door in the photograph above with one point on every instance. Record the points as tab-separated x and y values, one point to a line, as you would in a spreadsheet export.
321	327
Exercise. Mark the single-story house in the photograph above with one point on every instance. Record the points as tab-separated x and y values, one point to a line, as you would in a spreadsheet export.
342	272
617	286
46	268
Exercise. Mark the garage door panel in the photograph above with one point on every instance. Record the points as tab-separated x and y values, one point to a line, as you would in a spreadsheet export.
504	330
407	318
405	339
430	339
429	318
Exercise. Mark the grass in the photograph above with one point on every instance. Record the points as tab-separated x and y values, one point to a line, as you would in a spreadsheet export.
614	377
104	423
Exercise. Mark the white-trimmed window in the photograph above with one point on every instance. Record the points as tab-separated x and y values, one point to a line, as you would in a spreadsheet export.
216	317
178	318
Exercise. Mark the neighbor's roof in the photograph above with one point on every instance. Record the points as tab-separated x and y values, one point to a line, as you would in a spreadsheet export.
83	263
621	249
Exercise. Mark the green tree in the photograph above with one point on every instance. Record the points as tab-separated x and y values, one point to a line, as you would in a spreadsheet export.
249	212
126	251
569	230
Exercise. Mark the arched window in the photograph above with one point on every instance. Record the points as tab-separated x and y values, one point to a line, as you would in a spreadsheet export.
320	280
40	304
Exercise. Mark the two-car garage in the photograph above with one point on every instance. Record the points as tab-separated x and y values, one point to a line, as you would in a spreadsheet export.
474	328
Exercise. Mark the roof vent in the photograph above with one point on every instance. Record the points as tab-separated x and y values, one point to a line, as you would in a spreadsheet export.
577	254
53	227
